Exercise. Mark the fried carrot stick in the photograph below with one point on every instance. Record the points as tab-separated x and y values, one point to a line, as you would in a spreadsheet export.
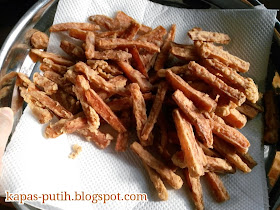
78	33
123	103
231	135
188	144
184	52
217	187
125	21
102	140
201	124
138	61
271	135
111	55
73	50
92	116
149	125
112	43
229	153
230	76
67	26
156	180
173	179
208	50
218	165
208	151
195	187
197	34
122	141
62	82
234	95
54	130
235	119
200	99
96	80
99	105
105	21
248	159
139	109
175	69
49	103
55	58
43	82
164	51
42	114
135	76
131	30
49	65
90	45
248	111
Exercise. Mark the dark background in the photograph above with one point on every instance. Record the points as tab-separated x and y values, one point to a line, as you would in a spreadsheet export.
10	13
12	10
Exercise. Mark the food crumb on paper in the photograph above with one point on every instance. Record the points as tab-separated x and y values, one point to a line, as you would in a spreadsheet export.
76	151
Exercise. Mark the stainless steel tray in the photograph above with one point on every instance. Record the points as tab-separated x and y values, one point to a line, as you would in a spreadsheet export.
14	55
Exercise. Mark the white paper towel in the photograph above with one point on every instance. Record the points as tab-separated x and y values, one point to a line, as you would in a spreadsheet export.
33	164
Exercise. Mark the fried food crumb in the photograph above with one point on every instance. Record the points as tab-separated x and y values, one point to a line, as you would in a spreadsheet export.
76	151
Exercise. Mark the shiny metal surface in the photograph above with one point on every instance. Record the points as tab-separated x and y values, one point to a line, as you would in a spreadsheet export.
14	52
